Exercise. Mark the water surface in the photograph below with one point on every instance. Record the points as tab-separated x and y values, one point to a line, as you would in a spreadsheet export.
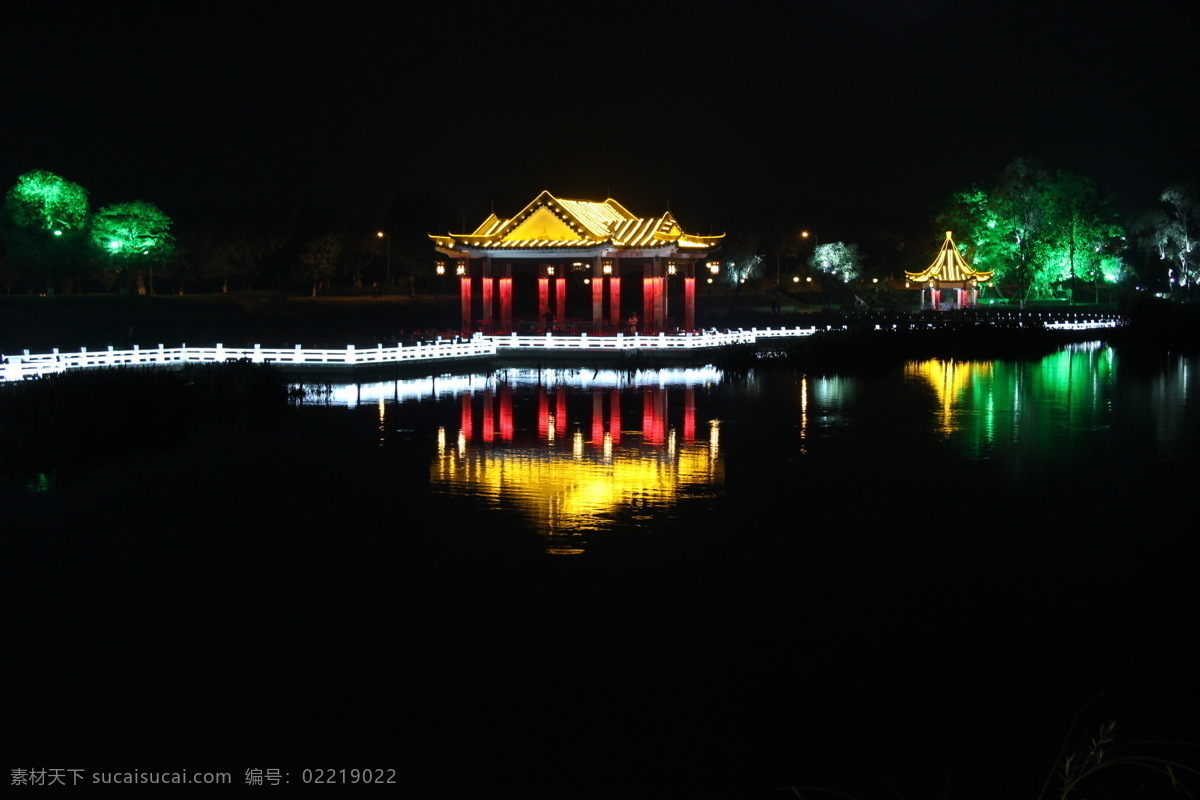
582	582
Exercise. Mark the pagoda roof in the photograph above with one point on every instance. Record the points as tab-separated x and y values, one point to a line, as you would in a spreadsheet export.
553	223
949	268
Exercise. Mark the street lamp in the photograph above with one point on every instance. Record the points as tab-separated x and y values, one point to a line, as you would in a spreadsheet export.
805	235
388	239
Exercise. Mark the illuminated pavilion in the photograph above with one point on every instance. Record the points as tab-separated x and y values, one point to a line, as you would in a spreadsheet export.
949	270
576	250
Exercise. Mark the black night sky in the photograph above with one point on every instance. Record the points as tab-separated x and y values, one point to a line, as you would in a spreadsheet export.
723	114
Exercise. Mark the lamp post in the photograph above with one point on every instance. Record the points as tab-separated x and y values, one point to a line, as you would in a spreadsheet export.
388	283
805	235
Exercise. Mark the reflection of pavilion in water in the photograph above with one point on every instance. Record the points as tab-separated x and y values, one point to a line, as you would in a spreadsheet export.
981	403
578	462
950	381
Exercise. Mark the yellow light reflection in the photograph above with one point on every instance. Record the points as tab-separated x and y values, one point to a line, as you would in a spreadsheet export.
382	429
567	493
803	410
949	380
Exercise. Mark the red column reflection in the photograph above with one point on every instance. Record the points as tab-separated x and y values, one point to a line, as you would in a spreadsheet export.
654	413
689	414
486	420
560	412
506	413
466	422
543	418
598	418
614	414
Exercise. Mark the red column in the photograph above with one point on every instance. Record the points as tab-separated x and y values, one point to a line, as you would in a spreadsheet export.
597	302
660	304
648	285
486	297
464	284
543	299
560	299
506	304
689	302
614	300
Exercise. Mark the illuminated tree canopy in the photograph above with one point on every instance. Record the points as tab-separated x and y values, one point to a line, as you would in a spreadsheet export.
45	220
1174	232
1037	229
133	234
838	259
1084	238
743	268
44	201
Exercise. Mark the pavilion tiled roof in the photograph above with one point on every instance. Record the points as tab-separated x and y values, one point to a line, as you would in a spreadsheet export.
552	223
949	268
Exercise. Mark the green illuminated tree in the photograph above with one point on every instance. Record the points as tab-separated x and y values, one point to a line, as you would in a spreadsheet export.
1018	202
43	200
1037	229
132	239
1081	233
1002	225
45	218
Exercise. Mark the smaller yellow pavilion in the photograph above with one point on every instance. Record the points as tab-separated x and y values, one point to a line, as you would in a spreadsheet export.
949	270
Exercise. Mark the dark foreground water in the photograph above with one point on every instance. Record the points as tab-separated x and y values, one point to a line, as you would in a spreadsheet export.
906	582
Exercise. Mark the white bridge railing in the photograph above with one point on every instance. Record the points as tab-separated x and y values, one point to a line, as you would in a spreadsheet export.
1107	323
661	341
35	366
